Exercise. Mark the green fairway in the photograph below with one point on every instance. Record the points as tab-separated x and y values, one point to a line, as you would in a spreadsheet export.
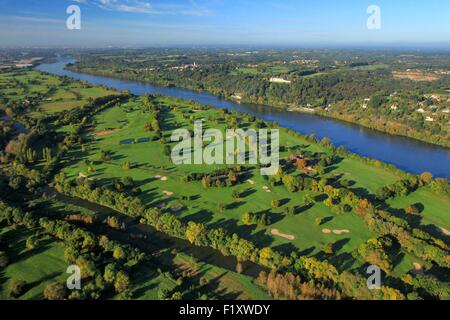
435	207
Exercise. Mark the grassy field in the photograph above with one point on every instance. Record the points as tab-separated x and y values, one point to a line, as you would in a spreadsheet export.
435	208
52	94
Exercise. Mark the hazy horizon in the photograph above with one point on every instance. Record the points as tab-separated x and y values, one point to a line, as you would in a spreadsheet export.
220	23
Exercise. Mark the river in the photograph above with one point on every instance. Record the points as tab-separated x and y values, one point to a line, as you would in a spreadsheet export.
405	153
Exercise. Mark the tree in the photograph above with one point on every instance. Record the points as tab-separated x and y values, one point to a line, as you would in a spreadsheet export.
32	242
309	200
301	164
55	291
110	272
328	249
247	218
163	294
122	282
4	260
195	233
177	296
319	221
16	288
126	166
276	203
291	183
326	141
426	178
119	253
236	194
412	209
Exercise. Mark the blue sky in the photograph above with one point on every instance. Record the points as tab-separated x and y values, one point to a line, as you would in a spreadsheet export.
222	22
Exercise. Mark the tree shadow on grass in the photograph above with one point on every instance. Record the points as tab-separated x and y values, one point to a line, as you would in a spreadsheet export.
308	251
235	205
214	285
363	193
287	249
202	216
233	226
343	261
247	193
33	284
261	239
43	246
338	245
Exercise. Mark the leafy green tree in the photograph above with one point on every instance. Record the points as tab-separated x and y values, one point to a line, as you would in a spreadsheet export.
4	260
16	288
122	282
55	291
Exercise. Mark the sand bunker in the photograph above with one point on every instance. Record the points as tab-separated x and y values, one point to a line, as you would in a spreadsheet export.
338	232
168	193
341	231
251	182
163	179
276	232
445	232
105	132
418	269
82	175
108	132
